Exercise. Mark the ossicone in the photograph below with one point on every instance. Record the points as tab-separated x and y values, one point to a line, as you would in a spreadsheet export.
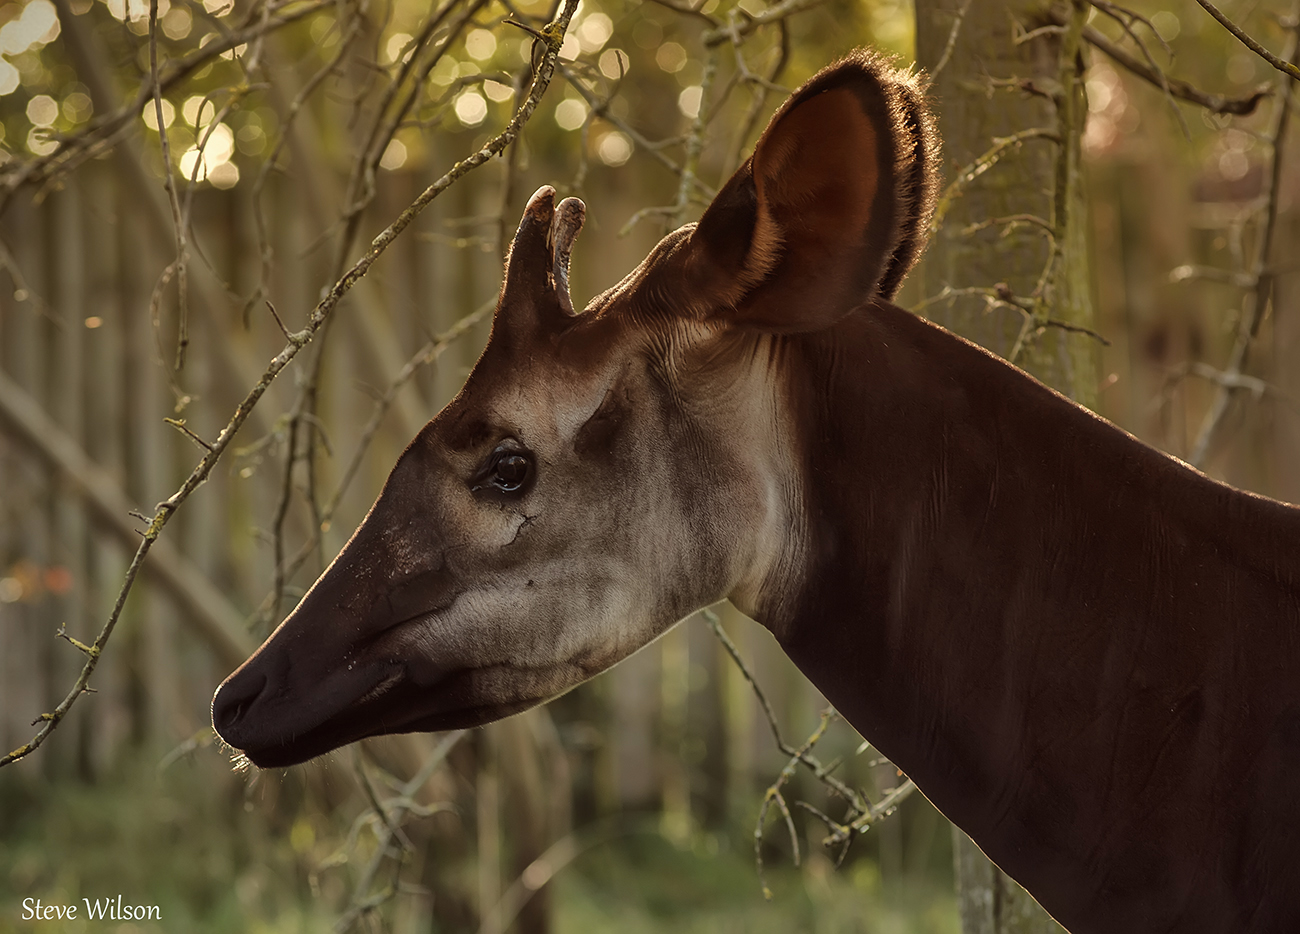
535	292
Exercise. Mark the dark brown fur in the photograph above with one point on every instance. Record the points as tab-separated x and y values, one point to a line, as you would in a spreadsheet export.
1084	652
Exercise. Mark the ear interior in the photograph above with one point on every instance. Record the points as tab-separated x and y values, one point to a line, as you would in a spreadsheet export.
832	207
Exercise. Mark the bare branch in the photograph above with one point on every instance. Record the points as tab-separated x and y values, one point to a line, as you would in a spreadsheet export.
689	11
734	31
1216	103
178	222
1282	65
694	144
1126	18
600	107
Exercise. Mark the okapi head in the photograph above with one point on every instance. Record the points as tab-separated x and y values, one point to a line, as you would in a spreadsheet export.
603	474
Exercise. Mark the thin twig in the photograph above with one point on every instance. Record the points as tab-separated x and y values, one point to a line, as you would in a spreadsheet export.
820	772
759	96
600	107
1126	18
951	44
1281	64
362	901
1257	297
179	425
265	251
985	161
694	145
732	32
1216	103
178	223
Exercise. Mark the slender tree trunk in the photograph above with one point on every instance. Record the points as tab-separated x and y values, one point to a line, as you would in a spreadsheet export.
1013	245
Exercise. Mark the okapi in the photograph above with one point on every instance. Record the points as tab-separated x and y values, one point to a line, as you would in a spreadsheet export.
1084	652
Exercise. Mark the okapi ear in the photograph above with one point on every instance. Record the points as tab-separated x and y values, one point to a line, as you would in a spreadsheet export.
535	291
831	210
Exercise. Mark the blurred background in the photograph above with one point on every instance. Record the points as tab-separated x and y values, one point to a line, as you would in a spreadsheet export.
134	318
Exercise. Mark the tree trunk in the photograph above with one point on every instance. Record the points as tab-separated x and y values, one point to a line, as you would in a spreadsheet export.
1013	249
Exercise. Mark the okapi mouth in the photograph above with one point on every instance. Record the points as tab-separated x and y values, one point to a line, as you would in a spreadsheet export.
394	704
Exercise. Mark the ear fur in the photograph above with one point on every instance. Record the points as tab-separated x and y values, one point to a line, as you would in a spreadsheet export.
830	211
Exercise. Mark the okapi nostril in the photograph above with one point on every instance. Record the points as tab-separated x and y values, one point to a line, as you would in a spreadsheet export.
233	701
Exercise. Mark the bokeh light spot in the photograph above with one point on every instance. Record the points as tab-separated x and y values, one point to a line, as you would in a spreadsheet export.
570	114
394	156
42	110
688	102
671	57
595	32
480	44
471	109
614	148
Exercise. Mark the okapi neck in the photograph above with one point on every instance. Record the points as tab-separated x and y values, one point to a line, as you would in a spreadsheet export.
1068	639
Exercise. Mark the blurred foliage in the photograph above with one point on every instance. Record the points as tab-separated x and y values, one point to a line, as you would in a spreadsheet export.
175	839
217	857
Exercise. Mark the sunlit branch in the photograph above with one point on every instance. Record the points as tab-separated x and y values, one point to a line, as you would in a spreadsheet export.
694	144
600	107
759	94
861	812
265	252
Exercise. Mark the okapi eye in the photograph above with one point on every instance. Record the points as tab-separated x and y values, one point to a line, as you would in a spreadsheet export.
507	470
511	472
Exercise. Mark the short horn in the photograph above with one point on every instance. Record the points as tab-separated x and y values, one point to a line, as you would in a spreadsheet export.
527	263
565	227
